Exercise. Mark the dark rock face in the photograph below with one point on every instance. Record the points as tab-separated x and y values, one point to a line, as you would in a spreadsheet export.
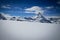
13	18
29	18
45	21
2	17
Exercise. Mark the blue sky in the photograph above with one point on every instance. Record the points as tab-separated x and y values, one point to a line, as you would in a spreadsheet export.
17	7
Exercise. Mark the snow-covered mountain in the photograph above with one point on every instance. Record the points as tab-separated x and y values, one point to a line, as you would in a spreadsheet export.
8	17
42	19
2	17
54	19
38	18
5	16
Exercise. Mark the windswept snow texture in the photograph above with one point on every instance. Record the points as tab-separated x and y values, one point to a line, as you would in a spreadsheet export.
15	30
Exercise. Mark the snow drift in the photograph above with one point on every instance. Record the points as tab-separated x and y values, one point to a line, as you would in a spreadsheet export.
15	30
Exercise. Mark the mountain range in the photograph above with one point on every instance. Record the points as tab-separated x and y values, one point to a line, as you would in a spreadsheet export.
38	18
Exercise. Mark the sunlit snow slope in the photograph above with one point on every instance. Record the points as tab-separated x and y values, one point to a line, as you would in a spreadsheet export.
15	30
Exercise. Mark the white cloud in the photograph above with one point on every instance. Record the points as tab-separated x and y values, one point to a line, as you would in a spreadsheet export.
6	6
49	7
34	9
58	2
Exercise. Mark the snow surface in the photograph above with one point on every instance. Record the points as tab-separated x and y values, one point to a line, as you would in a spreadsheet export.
17	30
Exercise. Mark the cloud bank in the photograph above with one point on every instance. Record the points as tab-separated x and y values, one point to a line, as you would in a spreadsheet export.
6	6
34	9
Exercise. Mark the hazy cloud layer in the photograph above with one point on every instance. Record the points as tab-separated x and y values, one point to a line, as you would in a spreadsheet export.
58	2
34	9
49	7
6	6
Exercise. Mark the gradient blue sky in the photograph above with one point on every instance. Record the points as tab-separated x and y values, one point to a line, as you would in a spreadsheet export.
16	7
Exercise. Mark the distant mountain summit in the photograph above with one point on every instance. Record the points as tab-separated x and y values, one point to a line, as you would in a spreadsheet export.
42	19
